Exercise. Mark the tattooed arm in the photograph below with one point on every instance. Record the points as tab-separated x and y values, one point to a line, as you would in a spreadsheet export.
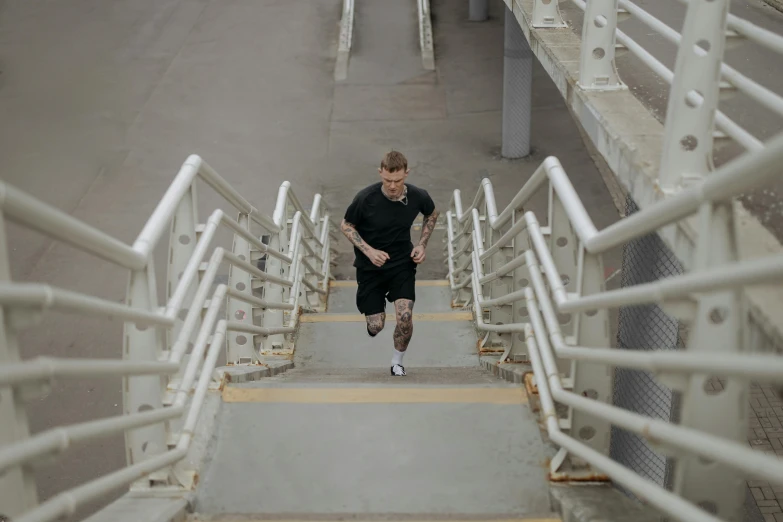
377	257
428	225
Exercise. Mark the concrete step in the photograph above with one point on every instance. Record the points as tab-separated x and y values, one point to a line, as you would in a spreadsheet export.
388	451
429	376
552	517
339	344
431	296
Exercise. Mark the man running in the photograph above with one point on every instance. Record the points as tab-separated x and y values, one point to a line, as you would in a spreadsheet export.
378	223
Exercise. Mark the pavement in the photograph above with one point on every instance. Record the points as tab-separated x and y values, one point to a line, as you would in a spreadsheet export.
765	433
102	102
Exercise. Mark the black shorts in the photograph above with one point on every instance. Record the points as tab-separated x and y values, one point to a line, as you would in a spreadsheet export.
377	286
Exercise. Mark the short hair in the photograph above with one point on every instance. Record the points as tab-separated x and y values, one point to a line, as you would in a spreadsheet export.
393	161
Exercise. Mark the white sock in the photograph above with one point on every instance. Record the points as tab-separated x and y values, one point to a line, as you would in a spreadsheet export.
397	359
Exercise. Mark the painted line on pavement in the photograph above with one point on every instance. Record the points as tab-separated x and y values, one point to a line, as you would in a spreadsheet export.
389	395
390	318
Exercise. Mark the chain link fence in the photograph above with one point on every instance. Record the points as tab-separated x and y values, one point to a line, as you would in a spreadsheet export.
645	327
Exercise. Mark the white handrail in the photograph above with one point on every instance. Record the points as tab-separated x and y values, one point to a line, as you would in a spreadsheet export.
547	297
194	166
309	231
45	297
30	212
734	78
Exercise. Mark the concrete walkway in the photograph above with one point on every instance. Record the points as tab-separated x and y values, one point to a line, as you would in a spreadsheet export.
338	436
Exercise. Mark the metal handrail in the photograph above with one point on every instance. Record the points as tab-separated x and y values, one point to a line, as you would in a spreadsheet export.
730	76
547	296
310	234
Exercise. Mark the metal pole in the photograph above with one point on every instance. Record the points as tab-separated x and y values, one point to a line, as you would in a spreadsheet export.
517	86
18	492
478	10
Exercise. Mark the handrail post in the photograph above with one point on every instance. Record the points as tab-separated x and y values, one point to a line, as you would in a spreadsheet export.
182	244
597	70
546	14
143	393
463	294
591	328
718	407
242	345
17	485
183	239
501	286
581	273
693	98
519	279
562	243
274	292
312	297
326	256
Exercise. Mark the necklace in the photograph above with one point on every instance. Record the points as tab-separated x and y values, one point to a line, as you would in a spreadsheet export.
402	199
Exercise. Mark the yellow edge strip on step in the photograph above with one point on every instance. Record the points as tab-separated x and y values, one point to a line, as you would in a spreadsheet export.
392	520
358	318
426	282
377	395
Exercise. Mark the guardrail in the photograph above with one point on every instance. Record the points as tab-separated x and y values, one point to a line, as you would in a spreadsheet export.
165	377
537	291
699	80
345	41
426	41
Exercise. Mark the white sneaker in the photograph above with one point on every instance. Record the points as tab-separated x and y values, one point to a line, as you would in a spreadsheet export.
397	370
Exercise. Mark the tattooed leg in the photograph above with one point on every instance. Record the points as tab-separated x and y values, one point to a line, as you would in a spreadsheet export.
404	329
375	323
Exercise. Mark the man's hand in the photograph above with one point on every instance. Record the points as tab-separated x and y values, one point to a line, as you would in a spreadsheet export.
378	257
418	254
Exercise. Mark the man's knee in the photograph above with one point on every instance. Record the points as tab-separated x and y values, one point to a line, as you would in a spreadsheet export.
375	323
404	309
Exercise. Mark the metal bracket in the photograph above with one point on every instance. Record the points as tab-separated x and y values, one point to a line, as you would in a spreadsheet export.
546	15
693	99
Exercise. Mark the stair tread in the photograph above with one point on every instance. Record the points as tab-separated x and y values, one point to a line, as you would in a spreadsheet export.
342	299
379	376
377	458
380	517
347	345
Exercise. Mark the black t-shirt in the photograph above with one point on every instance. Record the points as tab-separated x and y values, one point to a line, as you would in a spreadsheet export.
386	225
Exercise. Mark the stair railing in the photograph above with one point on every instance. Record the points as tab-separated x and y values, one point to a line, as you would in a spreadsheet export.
538	293
169	352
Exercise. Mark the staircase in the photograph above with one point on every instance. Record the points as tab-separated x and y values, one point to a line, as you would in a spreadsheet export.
304	421
337	436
